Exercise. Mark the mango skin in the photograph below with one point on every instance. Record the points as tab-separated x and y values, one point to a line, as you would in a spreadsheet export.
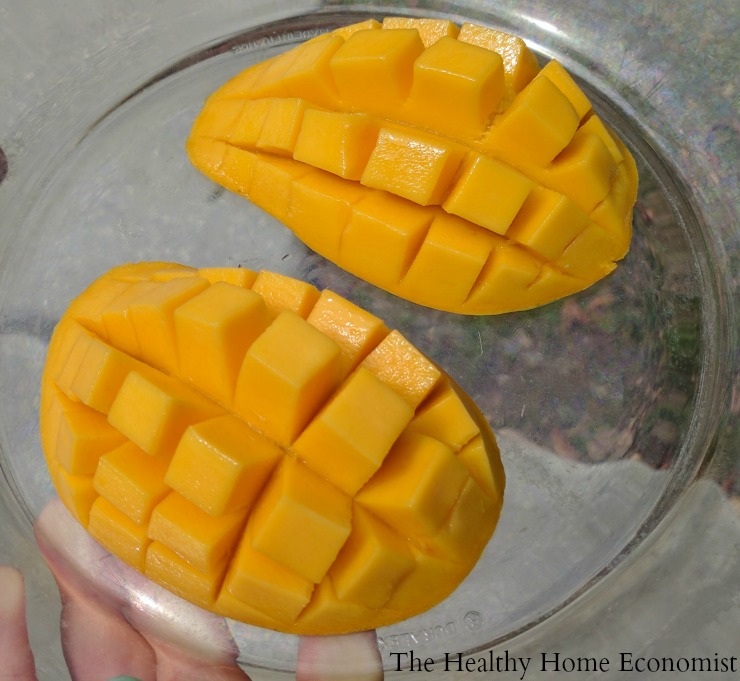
338	488
438	162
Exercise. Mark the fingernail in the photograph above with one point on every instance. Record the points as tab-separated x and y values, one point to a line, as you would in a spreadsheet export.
11	591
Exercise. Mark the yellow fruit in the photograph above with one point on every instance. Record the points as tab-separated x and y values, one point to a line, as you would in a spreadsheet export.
437	162
270	452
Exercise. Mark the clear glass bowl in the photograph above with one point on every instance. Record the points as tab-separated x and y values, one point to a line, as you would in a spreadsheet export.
614	408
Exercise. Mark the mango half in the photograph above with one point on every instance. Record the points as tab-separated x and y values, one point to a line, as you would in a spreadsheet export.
437	162
269	452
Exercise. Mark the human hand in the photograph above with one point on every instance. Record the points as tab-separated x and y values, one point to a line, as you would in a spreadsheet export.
107	632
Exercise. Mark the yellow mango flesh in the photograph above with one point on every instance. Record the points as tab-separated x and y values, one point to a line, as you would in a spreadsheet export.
438	162
270	452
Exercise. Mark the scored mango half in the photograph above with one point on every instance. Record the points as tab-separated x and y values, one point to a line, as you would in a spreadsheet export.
269	452
437	162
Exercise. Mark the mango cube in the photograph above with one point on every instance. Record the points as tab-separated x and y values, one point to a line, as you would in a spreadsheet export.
282	293
581	255
326	606
83	436
520	64
454	253
265	585
152	318
426	573
595	126
512	270
236	167
155	413
345	32
372	562
247	125
271	183
584	169
169	271
304	72
564	82
118	533
417	487
547	223
610	214
101	372
353	329
488	193
200	539
76	340
430	29
484	469
279	390
536	127
281	126
166	568
131	480
299	504
76	492
362	420
412	166
373	68
320	193
444	417
456	86
88	311
383	235
214	329
237	276
398	364
116	319
340	143
458	530
221	465
222	119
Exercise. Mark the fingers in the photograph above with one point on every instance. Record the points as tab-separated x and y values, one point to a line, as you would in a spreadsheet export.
15	650
175	665
97	641
76	558
100	644
352	657
176	623
191	644
118	622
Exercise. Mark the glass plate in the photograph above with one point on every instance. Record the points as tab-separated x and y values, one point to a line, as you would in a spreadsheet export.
608	404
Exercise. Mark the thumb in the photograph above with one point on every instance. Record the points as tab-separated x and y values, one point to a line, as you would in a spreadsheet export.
350	657
15	650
